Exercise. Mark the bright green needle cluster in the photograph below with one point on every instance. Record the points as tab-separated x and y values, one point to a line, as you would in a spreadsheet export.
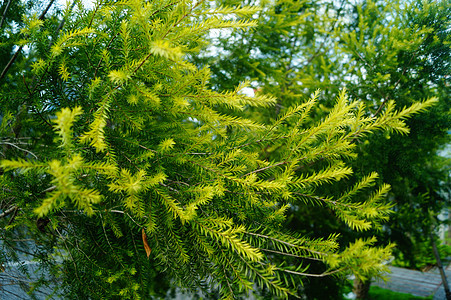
146	159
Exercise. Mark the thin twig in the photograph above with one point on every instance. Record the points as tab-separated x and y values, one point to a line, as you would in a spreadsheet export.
394	87
109	244
8	211
265	168
107	47
63	239
128	215
324	274
13	216
11	61
15	146
169	30
4	13
284	242
170	188
42	117
289	254
53	187
61	24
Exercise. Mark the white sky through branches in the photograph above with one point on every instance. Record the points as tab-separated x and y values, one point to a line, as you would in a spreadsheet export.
64	3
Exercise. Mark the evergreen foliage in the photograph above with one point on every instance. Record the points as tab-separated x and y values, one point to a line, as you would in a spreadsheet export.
138	168
381	51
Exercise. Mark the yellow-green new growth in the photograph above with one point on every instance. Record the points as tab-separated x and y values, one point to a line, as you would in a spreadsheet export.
63	125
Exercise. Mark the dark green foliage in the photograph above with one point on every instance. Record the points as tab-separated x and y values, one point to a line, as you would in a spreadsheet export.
136	176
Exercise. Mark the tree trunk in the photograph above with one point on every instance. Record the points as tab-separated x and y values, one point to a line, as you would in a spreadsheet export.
361	288
440	267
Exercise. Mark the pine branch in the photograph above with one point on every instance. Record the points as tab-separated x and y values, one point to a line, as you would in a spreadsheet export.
289	254
322	254
324	274
266	168
16	54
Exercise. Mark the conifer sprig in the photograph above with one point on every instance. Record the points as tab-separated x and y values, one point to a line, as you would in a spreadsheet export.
162	175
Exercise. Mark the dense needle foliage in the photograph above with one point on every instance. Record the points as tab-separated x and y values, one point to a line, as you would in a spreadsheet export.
123	165
380	51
